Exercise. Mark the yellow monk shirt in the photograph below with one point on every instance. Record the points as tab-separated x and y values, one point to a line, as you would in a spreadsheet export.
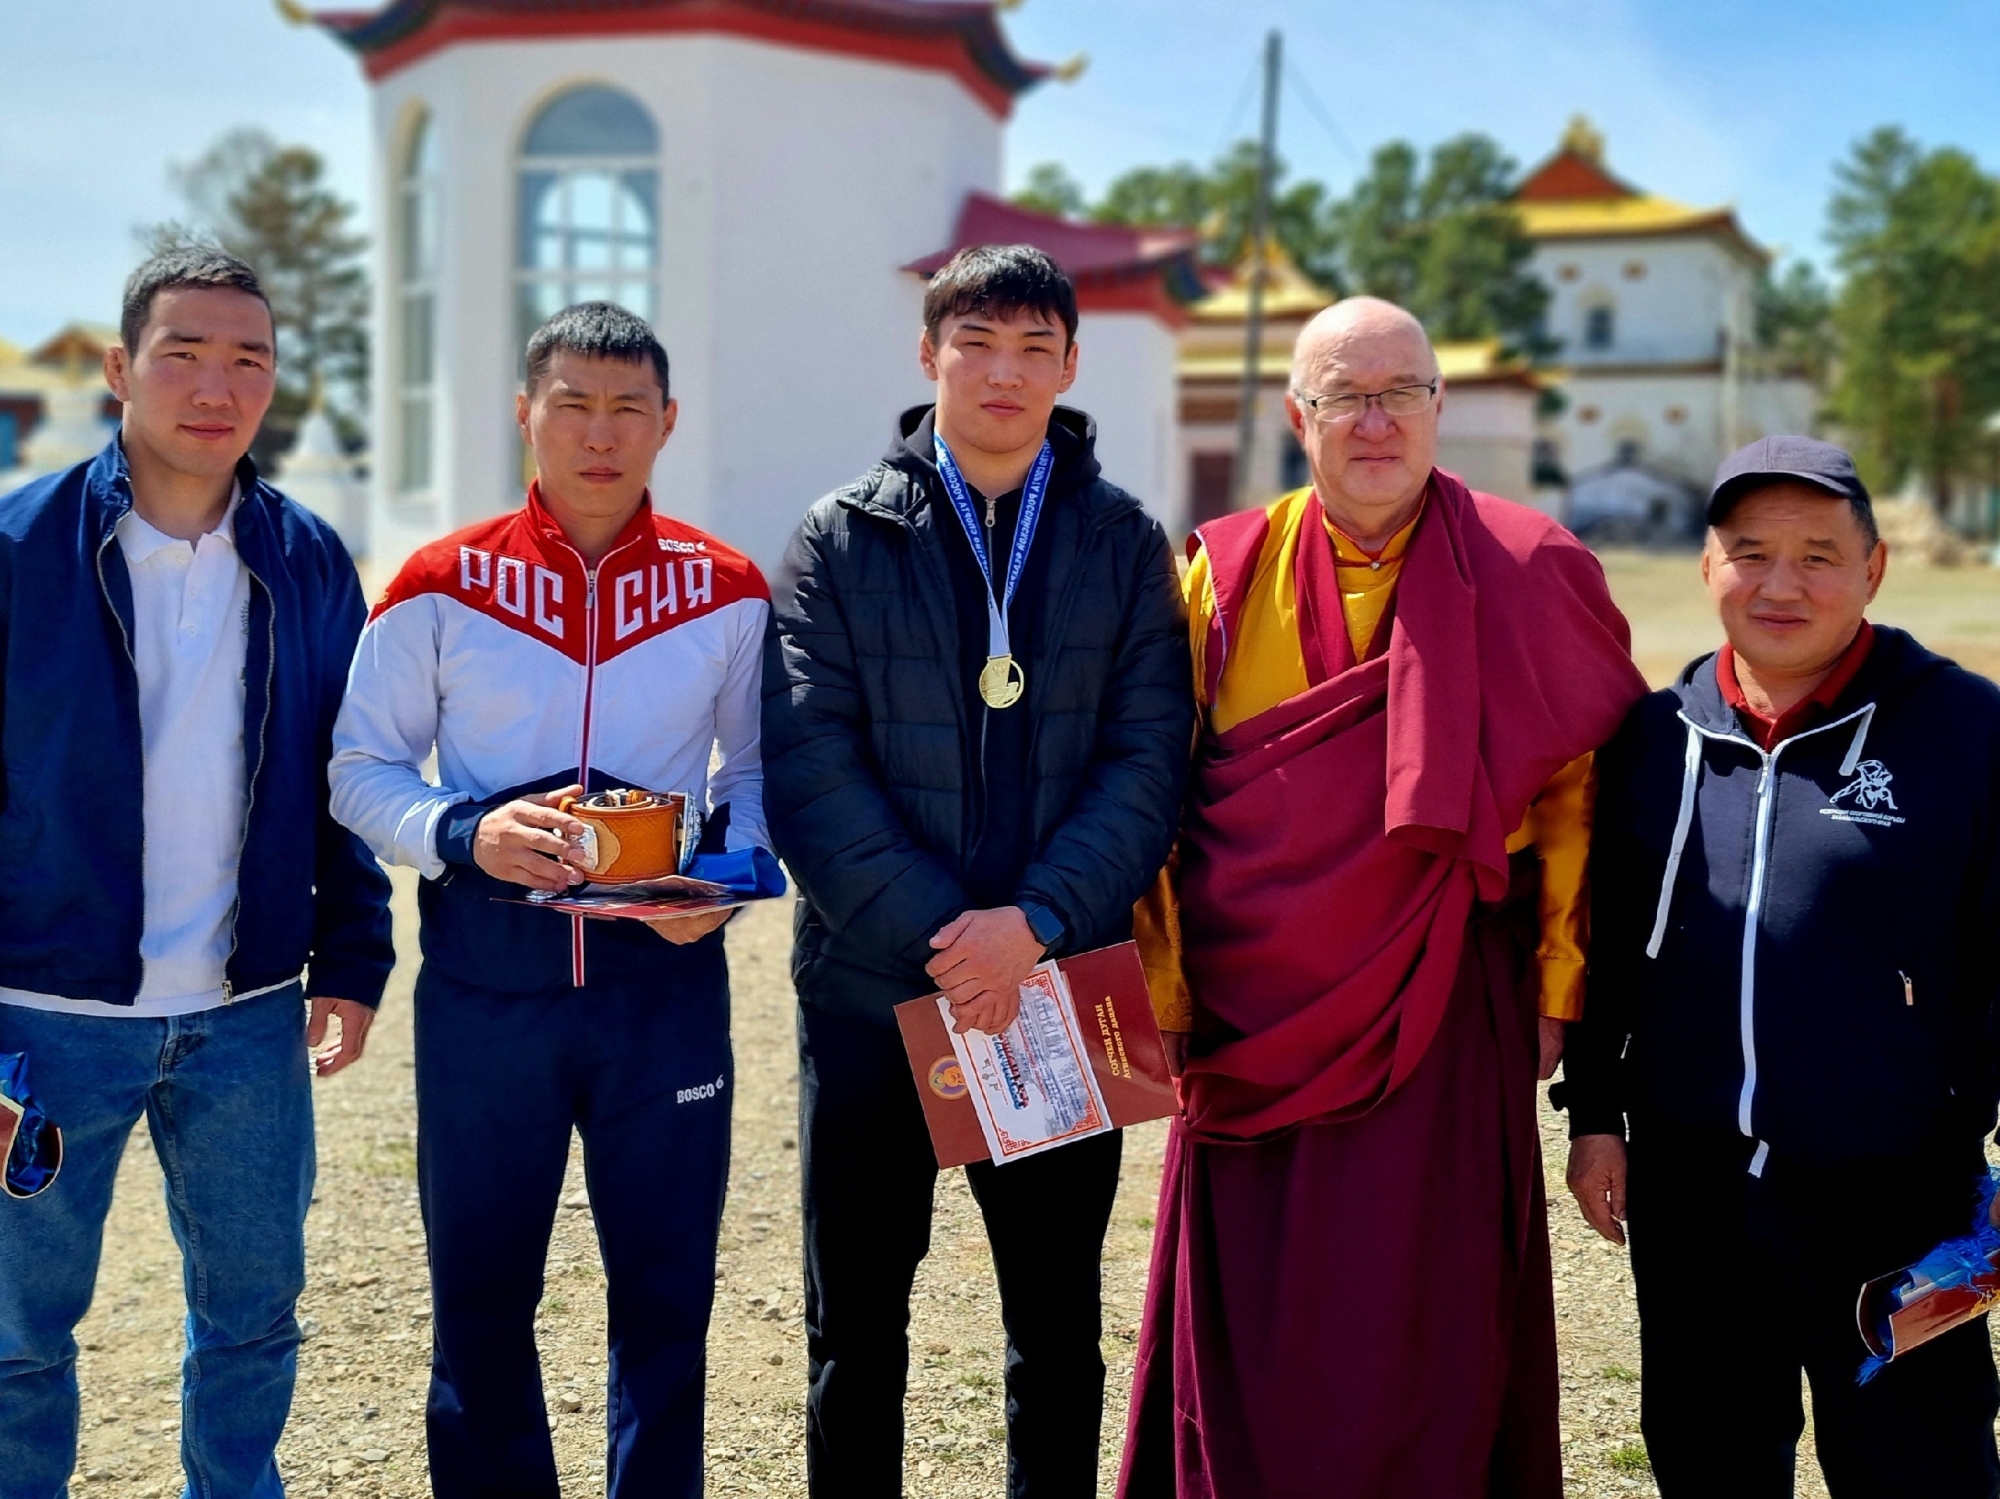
1266	666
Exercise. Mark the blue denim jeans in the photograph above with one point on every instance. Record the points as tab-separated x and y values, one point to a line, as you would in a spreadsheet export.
227	1096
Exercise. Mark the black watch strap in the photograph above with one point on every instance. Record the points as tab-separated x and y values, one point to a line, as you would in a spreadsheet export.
1045	924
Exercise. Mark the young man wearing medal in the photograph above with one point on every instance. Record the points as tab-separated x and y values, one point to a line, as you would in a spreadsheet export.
976	721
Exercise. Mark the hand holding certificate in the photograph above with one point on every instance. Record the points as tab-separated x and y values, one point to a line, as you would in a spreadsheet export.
1082	1056
1030	1085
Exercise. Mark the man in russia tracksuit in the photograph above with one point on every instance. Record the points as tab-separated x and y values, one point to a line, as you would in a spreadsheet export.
1793	978
583	640
176	638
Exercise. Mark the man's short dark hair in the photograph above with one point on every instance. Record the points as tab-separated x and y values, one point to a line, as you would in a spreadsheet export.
1001	281
597	330
201	266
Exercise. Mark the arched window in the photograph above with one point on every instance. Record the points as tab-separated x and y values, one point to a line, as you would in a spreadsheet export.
416	282
1597	328
589	199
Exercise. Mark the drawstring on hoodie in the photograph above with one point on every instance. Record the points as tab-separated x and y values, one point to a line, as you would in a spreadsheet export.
1690	783
1853	759
1690	780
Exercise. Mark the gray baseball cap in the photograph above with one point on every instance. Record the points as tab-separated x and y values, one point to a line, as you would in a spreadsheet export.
1768	460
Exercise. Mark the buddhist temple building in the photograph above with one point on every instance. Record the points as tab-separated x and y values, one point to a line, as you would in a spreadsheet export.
764	180
1652	303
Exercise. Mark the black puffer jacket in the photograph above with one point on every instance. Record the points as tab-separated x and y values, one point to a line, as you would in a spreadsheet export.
871	799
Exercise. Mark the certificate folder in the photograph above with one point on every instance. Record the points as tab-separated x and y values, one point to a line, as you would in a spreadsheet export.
1112	1017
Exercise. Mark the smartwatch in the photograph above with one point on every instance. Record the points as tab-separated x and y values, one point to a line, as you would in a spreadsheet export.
1045	924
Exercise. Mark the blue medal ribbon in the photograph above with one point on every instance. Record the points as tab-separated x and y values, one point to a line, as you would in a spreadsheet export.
1034	493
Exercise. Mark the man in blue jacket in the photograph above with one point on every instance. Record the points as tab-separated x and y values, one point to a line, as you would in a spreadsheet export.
976	724
1793	983
177	639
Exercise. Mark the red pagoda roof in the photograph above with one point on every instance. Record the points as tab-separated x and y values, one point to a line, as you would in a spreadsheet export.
960	37
1571	174
1115	267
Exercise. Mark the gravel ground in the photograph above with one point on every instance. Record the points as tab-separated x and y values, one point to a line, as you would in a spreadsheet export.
358	1424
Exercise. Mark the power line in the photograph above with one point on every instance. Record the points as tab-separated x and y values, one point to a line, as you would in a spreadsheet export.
1320	113
1243	97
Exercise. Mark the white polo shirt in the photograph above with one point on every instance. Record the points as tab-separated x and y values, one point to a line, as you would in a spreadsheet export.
190	637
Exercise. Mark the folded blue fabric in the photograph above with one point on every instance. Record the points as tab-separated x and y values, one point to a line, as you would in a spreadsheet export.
31	1165
753	872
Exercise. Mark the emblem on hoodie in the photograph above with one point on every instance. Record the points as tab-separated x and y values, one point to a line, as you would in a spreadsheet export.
1869	797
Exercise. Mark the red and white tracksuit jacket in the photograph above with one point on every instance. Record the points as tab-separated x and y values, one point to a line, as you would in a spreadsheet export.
498	649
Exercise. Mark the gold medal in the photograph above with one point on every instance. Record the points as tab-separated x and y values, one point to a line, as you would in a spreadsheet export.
1001	682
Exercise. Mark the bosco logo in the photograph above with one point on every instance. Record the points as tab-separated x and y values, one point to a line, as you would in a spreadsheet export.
698	1092
947	1078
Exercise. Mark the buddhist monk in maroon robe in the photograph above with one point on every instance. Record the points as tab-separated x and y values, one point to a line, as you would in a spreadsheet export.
1372	939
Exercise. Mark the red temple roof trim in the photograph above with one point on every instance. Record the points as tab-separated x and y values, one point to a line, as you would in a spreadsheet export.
959	37
1571	174
1115	267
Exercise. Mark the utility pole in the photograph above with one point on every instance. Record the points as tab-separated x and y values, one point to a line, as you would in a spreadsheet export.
1260	230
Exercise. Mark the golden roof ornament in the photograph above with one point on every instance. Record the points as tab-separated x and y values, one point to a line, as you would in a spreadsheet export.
1581	138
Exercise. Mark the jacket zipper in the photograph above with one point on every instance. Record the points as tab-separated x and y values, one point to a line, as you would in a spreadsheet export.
250	787
1747	1005
576	968
1760	857
132	660
985	713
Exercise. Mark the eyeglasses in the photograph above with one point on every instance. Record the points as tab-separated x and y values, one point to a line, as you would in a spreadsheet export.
1347	405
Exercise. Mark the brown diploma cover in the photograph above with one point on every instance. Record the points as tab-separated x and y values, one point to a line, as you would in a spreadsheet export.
1114	1018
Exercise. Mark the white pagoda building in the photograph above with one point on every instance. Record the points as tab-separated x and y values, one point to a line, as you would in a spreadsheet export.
762	179
1654	304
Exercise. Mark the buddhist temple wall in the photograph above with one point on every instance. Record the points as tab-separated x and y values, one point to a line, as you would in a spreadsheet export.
1676	423
1125	379
791	187
1661	379
1668	299
1486	435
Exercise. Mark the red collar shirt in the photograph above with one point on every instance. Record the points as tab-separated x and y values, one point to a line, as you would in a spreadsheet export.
1769	732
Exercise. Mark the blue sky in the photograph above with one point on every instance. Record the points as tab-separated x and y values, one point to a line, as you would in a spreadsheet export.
1710	101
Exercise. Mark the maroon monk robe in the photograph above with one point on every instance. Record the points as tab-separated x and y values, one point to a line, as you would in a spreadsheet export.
1350	1283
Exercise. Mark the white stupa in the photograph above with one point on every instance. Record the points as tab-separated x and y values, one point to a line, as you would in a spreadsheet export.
321	477
72	429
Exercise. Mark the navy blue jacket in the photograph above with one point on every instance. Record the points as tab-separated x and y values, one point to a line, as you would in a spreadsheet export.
1802	947
71	770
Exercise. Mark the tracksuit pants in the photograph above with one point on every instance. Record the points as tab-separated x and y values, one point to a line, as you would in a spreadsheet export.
869	1173
643	1072
1744	1281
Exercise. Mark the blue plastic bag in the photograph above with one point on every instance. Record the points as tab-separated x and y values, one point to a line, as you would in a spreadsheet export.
753	872
36	1155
